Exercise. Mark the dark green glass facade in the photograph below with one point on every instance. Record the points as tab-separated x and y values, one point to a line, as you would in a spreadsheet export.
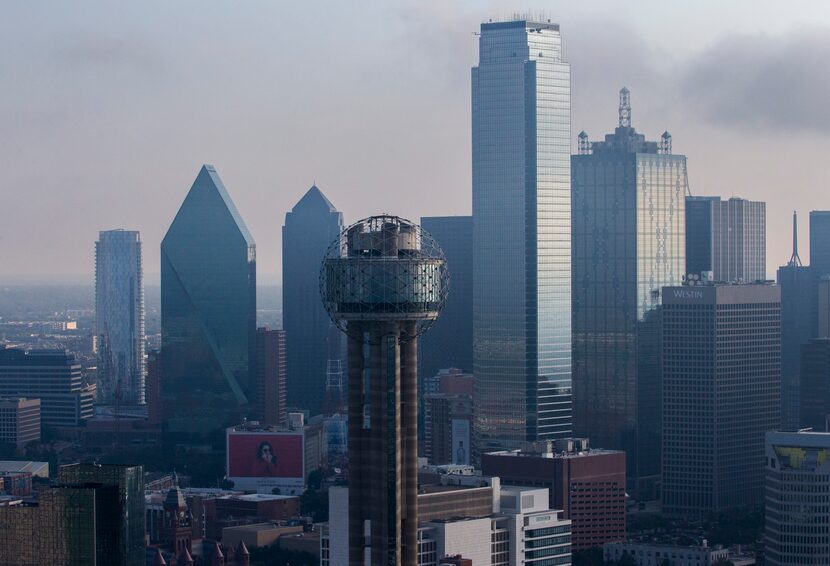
208	310
125	514
93	517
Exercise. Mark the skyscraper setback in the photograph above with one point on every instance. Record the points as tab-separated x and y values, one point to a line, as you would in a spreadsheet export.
521	235
309	228
628	243
208	310
119	317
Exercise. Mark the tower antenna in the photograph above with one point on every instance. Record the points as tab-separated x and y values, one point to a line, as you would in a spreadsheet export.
625	108
794	259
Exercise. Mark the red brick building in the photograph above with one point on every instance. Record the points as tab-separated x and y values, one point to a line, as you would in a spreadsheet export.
587	484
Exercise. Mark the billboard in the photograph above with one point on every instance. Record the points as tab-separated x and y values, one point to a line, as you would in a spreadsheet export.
266	455
461	441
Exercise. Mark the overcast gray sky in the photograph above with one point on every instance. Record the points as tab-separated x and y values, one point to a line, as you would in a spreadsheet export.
108	109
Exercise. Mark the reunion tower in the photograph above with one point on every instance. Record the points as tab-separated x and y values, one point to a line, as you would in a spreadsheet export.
383	282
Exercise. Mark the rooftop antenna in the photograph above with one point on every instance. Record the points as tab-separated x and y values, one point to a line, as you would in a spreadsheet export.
794	259
584	144
664	146
625	108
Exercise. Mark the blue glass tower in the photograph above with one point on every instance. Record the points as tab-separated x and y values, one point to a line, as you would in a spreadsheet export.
309	229
799	324
628	243
208	310
449	344
521	123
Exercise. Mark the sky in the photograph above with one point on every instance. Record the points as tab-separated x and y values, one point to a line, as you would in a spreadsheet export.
109	109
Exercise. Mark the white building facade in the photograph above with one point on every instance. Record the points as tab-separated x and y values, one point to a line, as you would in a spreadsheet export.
520	531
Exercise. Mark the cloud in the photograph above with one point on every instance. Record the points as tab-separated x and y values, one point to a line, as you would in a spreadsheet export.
762	83
96	52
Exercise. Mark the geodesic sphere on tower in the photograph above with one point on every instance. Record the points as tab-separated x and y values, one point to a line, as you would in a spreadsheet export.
384	268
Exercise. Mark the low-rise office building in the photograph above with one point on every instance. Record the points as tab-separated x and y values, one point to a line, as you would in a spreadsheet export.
659	554
19	421
587	484
54	377
517	527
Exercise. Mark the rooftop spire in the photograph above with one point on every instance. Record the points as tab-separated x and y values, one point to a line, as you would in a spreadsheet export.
794	259
625	108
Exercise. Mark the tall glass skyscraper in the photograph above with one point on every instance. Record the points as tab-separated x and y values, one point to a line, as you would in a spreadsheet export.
820	242
119	317
628	243
449	344
726	237
521	118
310	227
208	310
799	324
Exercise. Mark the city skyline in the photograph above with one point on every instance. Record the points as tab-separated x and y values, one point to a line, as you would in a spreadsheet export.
577	357
428	100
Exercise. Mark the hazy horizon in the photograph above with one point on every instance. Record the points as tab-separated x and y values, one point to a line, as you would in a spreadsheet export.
110	110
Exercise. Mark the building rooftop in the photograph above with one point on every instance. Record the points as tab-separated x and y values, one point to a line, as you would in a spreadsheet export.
314	197
255	426
261	497
563	448
40	469
259	527
521	21
804	438
442	488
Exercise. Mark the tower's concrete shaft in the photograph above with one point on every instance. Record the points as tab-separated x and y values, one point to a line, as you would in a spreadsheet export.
383	282
383	443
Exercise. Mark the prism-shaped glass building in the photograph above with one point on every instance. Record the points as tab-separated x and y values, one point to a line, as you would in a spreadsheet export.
208	310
